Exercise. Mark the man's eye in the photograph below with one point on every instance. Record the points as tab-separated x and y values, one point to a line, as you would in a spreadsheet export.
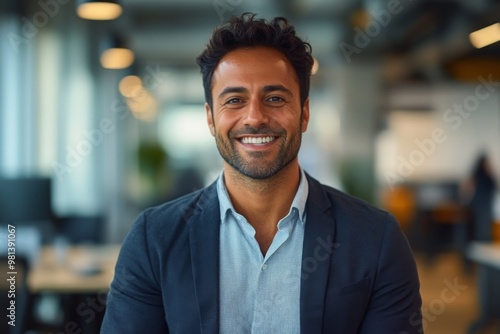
233	100
275	99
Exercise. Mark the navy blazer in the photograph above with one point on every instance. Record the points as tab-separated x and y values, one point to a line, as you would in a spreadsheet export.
358	272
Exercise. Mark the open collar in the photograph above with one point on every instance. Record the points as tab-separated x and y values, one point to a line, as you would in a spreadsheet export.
204	240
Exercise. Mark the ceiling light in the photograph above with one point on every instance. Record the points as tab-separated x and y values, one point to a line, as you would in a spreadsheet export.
144	106
485	36
130	86
117	58
99	10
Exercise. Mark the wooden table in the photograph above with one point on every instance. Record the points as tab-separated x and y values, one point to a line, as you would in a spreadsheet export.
78	269
79	276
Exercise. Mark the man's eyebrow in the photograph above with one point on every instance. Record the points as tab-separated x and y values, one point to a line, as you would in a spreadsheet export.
274	88
228	90
266	89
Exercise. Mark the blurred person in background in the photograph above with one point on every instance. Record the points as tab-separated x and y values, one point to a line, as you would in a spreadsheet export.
479	190
266	248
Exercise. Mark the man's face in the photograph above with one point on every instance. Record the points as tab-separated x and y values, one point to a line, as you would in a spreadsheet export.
257	119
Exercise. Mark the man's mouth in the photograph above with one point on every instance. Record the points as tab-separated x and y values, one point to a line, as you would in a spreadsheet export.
257	140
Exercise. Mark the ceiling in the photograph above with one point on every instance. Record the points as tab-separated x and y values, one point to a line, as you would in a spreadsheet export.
422	39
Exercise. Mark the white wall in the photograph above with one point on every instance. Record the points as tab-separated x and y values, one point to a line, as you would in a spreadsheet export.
443	141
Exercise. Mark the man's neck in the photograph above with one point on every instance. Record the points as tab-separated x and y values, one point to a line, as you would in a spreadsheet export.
263	202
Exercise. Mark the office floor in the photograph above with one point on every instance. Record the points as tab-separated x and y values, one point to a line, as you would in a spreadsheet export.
449	295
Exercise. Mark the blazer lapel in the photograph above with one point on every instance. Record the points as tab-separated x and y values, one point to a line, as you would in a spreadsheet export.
316	258
204	226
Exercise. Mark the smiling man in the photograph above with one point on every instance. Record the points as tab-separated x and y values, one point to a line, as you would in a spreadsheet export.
266	248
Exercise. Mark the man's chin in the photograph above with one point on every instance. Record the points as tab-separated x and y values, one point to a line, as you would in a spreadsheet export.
256	174
259	170
250	171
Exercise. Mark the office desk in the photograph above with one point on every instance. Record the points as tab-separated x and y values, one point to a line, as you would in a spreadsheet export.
83	269
79	276
487	256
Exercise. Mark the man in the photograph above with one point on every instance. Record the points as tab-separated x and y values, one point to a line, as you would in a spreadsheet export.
266	248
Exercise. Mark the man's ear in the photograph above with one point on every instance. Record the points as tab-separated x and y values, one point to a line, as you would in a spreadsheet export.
305	116
210	119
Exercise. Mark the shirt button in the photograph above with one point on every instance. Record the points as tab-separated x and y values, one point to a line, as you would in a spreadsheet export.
264	267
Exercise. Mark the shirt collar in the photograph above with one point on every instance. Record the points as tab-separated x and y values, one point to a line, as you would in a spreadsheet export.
298	203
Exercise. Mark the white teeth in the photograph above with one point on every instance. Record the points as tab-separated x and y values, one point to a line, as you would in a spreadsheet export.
256	140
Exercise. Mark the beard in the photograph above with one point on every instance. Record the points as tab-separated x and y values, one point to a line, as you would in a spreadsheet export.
260	165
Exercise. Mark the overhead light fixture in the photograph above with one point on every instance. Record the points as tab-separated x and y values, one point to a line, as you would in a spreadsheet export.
116	54
139	100
117	58
130	86
143	106
98	9
486	36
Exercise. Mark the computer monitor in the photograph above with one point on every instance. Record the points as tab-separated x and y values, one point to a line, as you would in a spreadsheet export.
25	199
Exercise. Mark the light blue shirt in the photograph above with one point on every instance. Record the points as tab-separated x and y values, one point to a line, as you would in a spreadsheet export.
260	294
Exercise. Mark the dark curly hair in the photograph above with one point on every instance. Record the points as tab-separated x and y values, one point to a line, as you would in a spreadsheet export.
247	31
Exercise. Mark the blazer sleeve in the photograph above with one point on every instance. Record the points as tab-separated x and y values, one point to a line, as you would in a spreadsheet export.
395	304
134	302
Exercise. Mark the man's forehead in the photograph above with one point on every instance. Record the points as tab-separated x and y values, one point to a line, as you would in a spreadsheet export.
257	49
261	63
251	59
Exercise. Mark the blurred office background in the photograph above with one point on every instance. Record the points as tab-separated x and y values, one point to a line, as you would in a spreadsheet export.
103	117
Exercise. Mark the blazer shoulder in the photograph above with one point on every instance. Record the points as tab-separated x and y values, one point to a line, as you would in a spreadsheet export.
353	216
176	214
354	204
343	203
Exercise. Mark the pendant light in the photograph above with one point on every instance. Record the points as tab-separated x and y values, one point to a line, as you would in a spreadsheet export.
99	9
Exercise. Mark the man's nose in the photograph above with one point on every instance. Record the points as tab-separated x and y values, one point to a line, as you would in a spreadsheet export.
256	114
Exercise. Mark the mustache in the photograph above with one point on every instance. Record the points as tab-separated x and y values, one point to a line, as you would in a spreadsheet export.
263	130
